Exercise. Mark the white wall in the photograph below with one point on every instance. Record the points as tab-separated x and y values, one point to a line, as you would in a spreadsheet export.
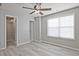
23	30
2	41
22	27
61	41
36	30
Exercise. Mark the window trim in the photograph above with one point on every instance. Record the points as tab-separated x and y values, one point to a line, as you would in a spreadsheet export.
61	27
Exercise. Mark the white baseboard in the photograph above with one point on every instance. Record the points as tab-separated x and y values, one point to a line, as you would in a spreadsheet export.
17	45
2	48
22	43
37	41
60	45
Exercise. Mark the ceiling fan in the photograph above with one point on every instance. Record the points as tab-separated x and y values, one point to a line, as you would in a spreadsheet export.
37	8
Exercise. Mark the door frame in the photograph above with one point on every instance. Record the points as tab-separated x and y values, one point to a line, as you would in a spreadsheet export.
30	29
5	29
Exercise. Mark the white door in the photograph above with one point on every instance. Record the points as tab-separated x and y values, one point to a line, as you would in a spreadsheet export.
31	30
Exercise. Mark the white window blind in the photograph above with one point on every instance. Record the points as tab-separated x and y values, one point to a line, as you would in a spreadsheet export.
61	27
53	27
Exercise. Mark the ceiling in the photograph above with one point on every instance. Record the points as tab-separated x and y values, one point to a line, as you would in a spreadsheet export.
17	7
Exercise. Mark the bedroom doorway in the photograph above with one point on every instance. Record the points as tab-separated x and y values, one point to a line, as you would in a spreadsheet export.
10	29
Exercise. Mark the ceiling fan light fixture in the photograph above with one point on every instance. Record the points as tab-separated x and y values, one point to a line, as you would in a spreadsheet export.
37	12
37	9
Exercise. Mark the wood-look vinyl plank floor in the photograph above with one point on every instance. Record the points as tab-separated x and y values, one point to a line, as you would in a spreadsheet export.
38	49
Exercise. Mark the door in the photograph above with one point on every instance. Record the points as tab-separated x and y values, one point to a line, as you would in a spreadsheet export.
31	30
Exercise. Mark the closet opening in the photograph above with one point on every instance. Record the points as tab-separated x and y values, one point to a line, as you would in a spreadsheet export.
10	29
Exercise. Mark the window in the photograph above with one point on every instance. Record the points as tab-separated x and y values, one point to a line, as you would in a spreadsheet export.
53	27
61	27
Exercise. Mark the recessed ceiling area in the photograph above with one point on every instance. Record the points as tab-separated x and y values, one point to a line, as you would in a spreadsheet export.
17	7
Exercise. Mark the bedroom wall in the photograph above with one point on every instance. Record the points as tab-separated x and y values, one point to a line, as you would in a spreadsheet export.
36	30
62	41
22	30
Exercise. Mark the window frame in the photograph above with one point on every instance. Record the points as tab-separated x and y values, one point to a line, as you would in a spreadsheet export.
61	27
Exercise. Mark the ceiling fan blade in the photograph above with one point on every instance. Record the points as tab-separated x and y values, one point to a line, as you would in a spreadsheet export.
45	9
32	12
35	6
28	8
41	13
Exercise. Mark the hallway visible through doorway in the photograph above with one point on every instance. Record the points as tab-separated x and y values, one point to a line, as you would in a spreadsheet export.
10	31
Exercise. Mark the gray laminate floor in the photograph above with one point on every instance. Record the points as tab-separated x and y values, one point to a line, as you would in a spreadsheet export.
38	49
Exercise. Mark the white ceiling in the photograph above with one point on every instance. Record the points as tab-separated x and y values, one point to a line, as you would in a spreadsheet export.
17	7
